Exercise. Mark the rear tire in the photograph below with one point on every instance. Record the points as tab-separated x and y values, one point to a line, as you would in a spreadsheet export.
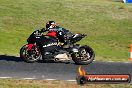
83	59
30	56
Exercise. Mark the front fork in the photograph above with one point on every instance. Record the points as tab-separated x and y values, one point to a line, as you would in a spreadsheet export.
30	49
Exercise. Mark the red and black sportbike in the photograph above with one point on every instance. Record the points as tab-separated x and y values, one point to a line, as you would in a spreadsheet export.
48	48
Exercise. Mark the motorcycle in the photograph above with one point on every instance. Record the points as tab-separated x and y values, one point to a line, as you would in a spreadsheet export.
47	48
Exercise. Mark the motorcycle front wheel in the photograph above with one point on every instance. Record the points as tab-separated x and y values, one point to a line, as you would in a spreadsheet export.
30	55
84	56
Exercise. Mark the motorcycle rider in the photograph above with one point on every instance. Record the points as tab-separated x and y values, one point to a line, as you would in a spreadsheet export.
56	31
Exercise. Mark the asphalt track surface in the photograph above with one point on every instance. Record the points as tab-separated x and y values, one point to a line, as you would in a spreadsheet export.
14	67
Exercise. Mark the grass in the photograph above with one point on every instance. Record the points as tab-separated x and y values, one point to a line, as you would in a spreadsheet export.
11	83
107	24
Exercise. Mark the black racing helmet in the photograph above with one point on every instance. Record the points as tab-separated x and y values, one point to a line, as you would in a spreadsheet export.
50	24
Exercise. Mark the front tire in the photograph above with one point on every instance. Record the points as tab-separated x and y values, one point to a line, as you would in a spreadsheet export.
30	56
84	56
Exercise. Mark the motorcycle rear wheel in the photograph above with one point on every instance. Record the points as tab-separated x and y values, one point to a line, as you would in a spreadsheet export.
30	56
85	56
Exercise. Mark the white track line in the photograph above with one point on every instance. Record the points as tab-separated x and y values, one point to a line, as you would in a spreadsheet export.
111	62
50	79
29	78
127	62
71	80
36	78
5	77
118	62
